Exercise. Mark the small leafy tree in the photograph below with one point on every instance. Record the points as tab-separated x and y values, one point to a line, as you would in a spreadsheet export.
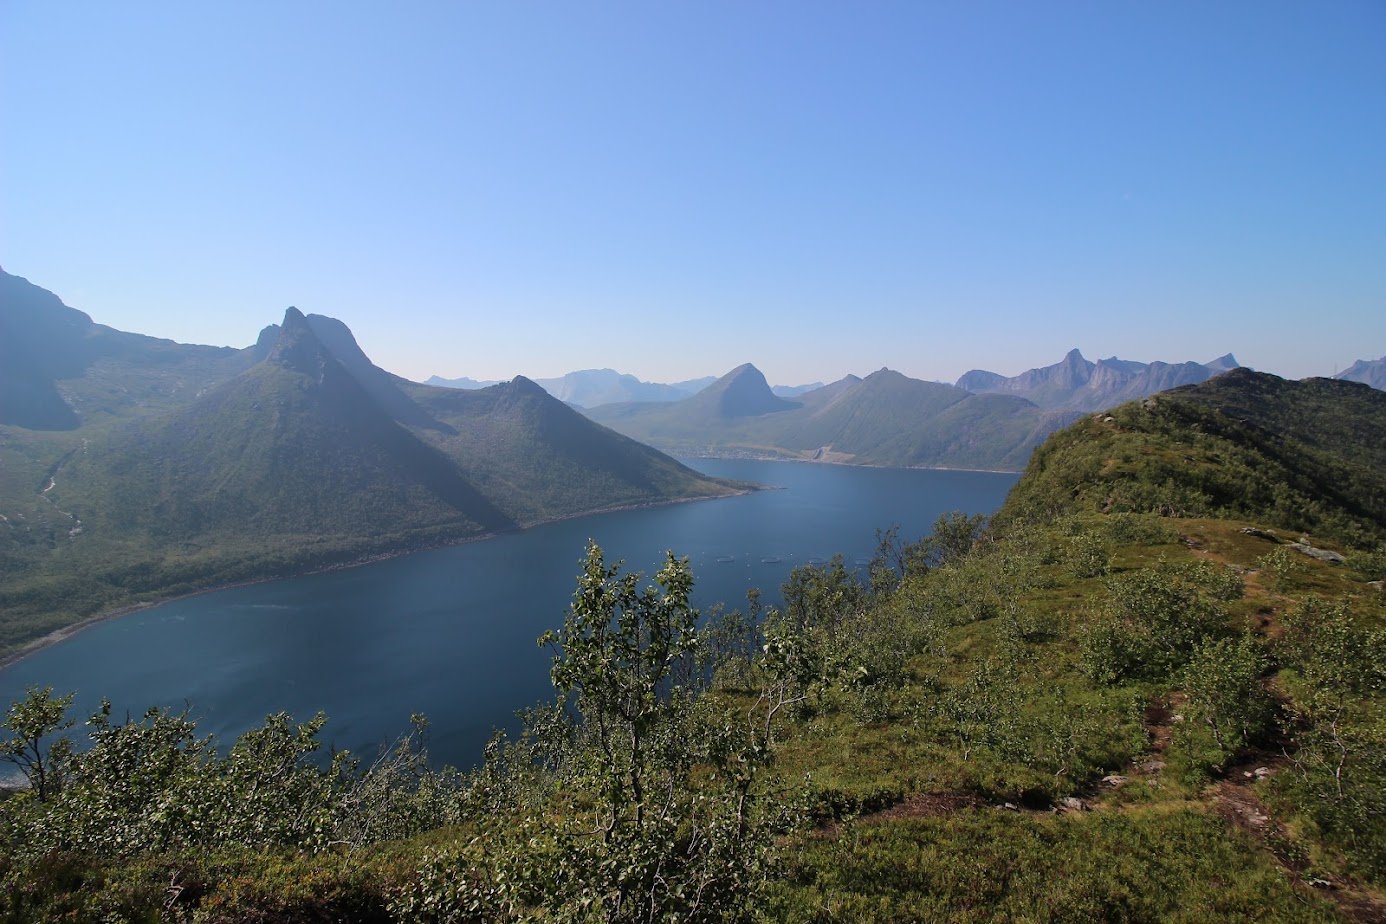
1283	569
666	828
896	560
823	596
1228	707
1155	618
1338	725
612	656
31	746
954	535
729	642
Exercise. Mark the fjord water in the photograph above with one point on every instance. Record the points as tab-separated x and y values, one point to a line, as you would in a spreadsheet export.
451	632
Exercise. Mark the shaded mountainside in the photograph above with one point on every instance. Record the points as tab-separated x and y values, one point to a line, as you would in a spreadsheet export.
1076	384
297	445
884	419
311	456
1367	371
59	369
1307	455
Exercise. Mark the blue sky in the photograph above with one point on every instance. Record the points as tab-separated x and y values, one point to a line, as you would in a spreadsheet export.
674	188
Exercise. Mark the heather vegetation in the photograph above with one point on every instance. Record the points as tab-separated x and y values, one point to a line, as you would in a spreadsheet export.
1307	456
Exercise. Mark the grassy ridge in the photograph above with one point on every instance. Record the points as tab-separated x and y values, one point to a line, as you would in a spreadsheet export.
1307	456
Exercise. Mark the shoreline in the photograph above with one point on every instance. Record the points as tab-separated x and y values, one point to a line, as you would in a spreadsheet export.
903	468
66	632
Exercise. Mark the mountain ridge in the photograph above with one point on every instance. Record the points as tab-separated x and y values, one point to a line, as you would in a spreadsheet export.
588	388
1077	384
1367	371
885	418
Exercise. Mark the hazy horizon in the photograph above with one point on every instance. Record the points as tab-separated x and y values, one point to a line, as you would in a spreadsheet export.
672	190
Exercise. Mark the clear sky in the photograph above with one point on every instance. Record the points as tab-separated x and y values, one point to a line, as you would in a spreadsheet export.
674	188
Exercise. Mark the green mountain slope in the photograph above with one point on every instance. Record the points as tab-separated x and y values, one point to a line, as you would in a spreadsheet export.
311	456
539	458
1307	455
883	419
295	446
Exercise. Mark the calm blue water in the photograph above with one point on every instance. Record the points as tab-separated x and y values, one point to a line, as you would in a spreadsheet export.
451	632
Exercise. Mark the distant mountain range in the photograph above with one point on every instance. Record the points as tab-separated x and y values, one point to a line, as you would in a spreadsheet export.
133	467
1076	384
1368	371
883	419
1072	384
593	387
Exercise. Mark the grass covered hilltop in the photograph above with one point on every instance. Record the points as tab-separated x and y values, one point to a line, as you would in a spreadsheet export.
1151	689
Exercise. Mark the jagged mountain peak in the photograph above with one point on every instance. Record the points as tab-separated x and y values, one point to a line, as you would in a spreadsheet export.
297	347
264	343
1223	363
1076	384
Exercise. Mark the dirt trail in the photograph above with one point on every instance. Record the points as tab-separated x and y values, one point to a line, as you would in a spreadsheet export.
1235	799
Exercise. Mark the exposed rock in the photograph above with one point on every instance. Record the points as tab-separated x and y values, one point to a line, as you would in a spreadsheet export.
1071	804
1114	779
1327	555
1259	533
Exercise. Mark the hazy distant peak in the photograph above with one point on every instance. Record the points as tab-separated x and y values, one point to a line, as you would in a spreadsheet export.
743	392
1367	371
463	383
525	386
794	391
1075	384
